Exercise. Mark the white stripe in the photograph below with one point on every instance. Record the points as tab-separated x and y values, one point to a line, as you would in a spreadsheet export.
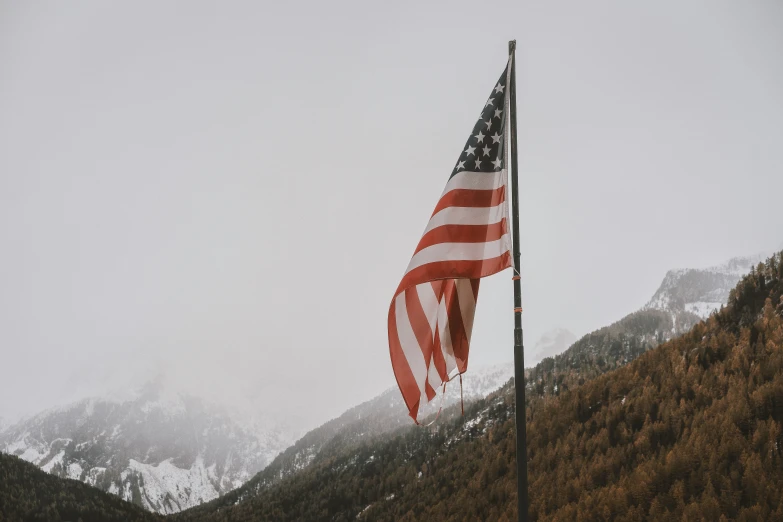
475	181
409	343
467	216
429	303
467	304
445	337
459	252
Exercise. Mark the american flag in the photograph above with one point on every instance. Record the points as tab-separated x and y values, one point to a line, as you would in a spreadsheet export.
431	314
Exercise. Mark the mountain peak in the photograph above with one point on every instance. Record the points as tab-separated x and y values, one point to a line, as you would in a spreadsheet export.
162	449
701	290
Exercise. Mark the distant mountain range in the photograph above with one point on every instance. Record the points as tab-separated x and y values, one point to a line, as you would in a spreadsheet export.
160	450
168	452
689	431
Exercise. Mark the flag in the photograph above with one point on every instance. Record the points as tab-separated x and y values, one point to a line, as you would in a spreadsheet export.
431	314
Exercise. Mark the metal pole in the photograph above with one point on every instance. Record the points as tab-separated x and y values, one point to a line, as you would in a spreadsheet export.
519	353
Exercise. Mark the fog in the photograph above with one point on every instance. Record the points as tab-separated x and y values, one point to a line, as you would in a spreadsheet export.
229	193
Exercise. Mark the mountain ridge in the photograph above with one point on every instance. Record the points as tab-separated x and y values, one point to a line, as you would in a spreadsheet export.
151	478
165	453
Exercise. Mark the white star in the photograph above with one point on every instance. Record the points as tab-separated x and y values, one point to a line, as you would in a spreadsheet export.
499	88
486	151
460	165
490	101
498	113
480	137
496	162
478	163
470	149
496	138
488	123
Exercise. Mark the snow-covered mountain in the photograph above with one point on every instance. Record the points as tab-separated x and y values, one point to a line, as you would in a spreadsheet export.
551	343
701	290
378	416
164	451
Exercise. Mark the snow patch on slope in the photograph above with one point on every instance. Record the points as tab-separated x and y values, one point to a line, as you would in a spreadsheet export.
75	470
168	489
701	308
57	459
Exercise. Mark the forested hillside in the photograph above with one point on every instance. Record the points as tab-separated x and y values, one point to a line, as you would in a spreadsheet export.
688	431
29	494
606	349
684	297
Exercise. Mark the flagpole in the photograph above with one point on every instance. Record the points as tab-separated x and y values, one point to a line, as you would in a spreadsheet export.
519	353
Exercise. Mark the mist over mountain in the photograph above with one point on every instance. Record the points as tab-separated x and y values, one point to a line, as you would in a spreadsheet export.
167	450
362	424
551	343
634	442
162	450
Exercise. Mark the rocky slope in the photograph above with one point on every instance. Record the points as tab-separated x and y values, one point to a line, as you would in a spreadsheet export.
701	290
164	452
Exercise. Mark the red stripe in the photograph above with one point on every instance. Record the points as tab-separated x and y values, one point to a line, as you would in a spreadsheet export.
419	323
474	283
471	198
463	234
437	357
437	349
454	270
459	338
402	372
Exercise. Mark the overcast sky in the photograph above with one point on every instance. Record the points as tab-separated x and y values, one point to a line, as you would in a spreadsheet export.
232	190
